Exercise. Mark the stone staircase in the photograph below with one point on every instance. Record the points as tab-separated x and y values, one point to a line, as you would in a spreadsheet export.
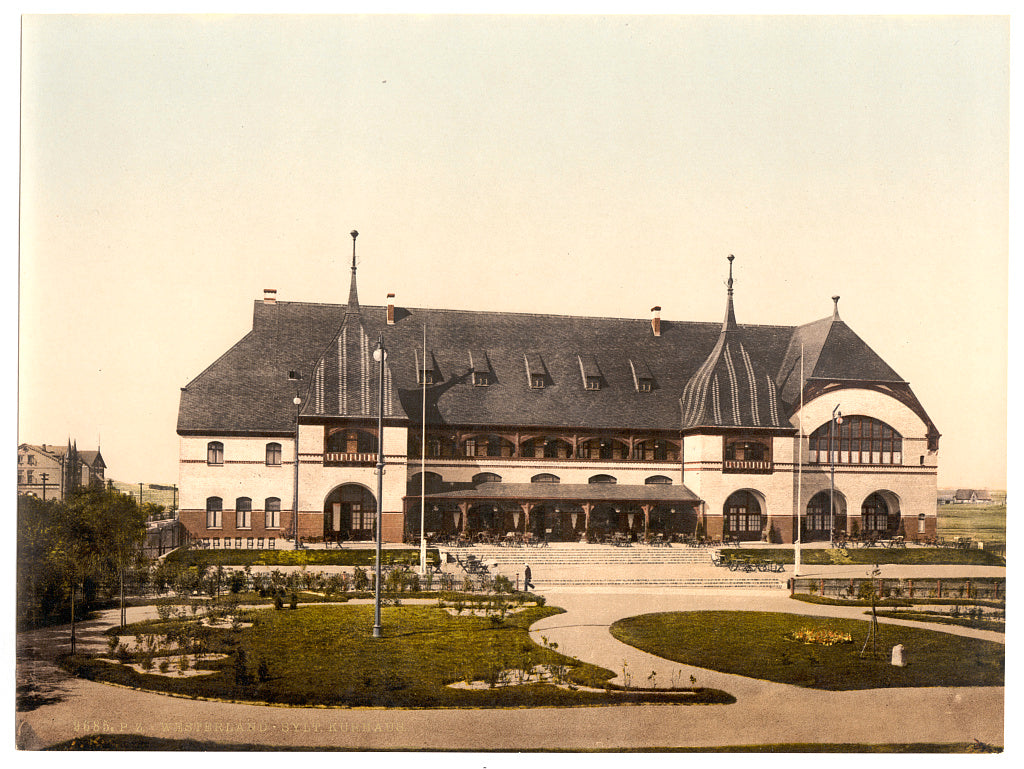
596	566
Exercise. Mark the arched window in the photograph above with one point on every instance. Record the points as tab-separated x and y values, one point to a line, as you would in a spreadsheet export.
488	446
214	507
602	479
486	478
214	453
272	506
858	440
432	481
657	480
603	448
545	478
273	454
546	447
243	513
656	450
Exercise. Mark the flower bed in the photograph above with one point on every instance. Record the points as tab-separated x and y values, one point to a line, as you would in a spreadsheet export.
821	636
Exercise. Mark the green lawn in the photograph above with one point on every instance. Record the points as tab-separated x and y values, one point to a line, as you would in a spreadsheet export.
356	557
986	523
758	645
326	655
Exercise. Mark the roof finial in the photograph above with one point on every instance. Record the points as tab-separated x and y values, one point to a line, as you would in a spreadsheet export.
353	295
731	257
835	310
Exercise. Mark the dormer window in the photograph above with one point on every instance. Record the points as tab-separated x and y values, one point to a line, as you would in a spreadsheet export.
425	374
590	371
642	377
536	372
480	368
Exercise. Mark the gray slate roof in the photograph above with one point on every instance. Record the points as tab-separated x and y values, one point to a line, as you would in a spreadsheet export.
247	390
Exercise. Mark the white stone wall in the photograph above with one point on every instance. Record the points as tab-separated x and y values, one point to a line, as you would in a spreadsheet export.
912	483
246	474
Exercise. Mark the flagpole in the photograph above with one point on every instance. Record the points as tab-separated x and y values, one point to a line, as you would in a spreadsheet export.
423	464
799	470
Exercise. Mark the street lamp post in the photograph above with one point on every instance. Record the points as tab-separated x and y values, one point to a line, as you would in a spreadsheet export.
294	377
832	462
380	355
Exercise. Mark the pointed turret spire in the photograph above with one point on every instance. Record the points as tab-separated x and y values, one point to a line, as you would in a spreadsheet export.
353	295
730	315
835	309
731	388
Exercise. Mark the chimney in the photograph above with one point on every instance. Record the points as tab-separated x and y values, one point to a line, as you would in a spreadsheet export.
656	321
269	296
391	309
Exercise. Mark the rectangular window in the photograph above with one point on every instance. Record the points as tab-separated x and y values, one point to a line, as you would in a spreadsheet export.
480	380
645	385
471	448
30	479
213	514
537	382
243	513
273	514
31	459
425	377
593	383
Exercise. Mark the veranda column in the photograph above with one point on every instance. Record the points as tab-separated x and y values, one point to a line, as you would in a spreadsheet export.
527	507
647	518
464	511
587	507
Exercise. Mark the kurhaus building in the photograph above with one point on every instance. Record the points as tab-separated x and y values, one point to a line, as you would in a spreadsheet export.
560	427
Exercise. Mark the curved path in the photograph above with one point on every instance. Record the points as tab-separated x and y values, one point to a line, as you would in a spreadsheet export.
764	713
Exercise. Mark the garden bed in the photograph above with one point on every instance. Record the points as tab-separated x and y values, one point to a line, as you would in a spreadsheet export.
326	655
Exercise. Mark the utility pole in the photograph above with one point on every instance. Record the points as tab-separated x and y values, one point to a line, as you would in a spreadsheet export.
44	477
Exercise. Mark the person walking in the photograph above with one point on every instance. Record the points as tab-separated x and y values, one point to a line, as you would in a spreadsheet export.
527	576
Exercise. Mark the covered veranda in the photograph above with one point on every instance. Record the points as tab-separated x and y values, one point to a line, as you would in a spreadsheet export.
550	512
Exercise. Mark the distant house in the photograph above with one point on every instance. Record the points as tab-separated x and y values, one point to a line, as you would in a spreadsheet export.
50	472
947	498
971	496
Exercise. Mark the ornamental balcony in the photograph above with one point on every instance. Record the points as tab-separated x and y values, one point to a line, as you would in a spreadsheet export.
748	466
349	459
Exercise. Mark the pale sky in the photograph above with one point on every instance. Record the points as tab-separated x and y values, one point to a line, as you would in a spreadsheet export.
174	167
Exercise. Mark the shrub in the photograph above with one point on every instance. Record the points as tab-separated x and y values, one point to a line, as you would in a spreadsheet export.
165	665
278	603
360	580
294	602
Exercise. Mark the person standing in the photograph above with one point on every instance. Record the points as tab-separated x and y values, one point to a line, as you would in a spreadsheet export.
527	576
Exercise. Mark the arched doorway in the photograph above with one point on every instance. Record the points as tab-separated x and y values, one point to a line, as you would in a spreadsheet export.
821	517
744	516
880	514
350	512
